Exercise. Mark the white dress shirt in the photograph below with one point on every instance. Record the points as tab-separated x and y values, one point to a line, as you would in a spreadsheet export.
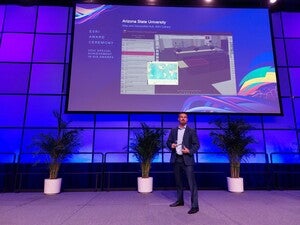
180	134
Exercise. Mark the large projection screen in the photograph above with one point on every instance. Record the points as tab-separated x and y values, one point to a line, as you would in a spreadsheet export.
171	59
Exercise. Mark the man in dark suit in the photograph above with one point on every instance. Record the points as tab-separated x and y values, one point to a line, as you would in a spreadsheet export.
183	143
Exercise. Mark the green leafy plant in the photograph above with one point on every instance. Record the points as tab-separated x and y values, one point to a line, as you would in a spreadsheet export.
146	144
59	145
232	137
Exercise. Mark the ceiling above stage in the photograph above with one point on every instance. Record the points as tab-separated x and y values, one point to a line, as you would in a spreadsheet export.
282	5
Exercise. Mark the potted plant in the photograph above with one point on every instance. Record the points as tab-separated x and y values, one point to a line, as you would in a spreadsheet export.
146	144
232	138
57	146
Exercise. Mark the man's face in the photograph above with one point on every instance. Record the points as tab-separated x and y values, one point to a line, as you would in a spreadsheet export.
182	118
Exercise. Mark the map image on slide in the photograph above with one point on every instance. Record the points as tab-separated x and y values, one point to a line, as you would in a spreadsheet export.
163	73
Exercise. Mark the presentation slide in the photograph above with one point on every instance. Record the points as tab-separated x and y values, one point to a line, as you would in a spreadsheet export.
172	59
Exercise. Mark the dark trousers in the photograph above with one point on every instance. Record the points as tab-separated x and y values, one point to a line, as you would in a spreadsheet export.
179	167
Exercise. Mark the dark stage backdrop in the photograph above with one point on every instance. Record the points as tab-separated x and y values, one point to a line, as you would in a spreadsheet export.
34	63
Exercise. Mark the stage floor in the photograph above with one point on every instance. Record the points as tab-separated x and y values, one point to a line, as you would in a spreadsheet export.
133	208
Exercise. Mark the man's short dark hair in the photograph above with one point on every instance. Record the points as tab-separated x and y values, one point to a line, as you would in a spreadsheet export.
183	113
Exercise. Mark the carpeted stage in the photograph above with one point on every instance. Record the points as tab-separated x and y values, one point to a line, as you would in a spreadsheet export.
133	208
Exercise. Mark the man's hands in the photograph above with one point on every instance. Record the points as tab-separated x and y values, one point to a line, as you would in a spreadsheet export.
174	145
184	149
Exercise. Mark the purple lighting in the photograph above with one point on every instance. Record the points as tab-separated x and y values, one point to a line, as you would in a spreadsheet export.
35	46
16	47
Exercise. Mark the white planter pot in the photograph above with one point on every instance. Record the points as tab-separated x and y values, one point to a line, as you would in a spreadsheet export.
235	184
52	186
145	185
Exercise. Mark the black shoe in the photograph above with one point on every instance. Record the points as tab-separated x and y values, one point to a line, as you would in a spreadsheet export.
177	203
193	210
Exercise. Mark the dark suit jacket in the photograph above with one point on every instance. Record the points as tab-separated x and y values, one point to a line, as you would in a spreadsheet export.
190	140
